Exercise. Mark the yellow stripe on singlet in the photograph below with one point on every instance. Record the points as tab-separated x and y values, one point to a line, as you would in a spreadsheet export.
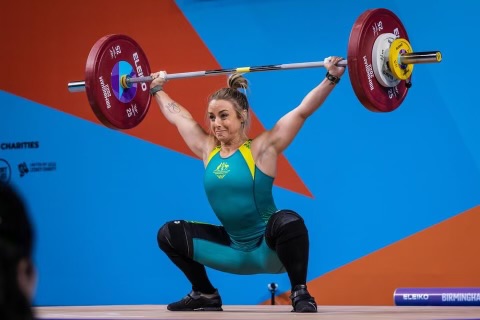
247	155
214	152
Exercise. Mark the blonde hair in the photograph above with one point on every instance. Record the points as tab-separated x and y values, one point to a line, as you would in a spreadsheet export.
237	98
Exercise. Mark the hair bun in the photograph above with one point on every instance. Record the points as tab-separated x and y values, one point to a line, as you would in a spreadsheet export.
237	81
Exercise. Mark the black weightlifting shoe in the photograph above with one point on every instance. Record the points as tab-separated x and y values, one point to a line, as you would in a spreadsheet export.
302	301
197	301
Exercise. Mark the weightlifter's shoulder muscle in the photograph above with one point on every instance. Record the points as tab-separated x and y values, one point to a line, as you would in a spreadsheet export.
264	154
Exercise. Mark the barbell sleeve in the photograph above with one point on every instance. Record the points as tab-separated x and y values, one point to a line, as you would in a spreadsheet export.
76	86
420	57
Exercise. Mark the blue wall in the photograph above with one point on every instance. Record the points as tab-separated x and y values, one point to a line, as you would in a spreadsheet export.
375	178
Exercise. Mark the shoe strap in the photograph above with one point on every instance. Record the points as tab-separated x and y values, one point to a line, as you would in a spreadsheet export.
191	295
299	294
195	294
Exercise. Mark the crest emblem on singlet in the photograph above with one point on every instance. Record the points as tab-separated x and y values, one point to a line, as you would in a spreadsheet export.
221	170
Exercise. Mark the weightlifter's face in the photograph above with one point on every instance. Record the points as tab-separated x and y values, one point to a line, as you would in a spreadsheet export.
224	121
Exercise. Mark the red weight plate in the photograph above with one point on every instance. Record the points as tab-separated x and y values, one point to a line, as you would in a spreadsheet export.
365	31
111	57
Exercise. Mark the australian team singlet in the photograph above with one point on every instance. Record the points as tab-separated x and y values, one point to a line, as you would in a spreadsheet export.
241	197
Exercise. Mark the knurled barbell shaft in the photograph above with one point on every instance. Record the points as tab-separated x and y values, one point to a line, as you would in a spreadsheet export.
301	65
405	58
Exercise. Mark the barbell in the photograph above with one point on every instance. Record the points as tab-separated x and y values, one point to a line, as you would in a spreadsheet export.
380	62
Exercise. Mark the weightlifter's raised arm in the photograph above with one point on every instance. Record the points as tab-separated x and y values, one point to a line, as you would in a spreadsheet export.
195	137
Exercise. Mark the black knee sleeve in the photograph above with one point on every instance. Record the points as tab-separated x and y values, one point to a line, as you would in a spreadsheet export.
283	226
175	237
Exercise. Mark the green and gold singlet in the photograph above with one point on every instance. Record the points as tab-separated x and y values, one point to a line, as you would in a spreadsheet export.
241	197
